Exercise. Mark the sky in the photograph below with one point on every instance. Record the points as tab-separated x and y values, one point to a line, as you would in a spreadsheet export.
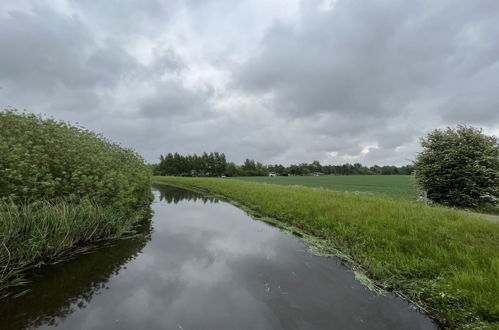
278	81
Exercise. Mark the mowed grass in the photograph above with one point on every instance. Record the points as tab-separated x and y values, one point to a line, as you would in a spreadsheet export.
392	185
439	258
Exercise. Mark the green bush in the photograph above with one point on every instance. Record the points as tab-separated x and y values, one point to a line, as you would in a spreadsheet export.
44	159
459	167
62	188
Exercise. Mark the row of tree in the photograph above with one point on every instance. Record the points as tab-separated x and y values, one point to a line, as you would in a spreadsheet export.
345	169
215	164
212	164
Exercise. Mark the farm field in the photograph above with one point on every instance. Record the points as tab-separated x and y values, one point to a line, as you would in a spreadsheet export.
392	185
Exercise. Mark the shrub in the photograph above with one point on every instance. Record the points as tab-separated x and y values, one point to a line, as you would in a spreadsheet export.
44	159
459	167
61	189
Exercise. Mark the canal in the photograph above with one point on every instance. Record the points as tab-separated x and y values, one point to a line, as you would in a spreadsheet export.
202	263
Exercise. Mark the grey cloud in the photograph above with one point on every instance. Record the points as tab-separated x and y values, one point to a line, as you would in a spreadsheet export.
52	58
373	58
164	61
383	73
171	98
124	18
40	49
191	76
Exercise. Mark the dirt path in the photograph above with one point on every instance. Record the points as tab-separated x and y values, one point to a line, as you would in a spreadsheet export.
490	217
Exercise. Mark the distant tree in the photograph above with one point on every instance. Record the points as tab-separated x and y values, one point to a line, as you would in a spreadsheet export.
218	163
154	169
278	168
295	170
389	170
406	170
315	166
215	164
459	167
231	169
375	169
346	169
249	167
167	165
261	170
359	169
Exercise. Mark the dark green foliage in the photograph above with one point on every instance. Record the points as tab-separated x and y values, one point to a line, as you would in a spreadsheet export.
212	164
345	169
61	188
459	167
215	164
43	159
252	168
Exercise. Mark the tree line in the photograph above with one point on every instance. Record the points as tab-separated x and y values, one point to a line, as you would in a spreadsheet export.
346	169
212	164
215	164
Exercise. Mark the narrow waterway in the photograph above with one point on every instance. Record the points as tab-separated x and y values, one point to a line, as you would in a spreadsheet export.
202	263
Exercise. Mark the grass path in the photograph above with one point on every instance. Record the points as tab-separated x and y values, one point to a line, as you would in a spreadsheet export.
489	217
441	259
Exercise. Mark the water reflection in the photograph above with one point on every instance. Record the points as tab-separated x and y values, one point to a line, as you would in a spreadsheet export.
176	195
207	266
59	290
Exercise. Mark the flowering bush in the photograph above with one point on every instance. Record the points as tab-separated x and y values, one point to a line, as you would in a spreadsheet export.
44	159
459	167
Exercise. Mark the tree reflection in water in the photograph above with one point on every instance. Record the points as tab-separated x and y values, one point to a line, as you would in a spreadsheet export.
175	195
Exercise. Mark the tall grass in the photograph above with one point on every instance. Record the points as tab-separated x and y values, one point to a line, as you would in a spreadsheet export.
442	259
42	232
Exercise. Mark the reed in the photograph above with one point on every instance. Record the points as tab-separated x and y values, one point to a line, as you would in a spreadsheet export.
38	233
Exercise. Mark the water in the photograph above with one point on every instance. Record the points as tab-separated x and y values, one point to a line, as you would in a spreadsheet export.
204	264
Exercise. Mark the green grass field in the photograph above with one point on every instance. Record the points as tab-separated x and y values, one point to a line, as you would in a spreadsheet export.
442	259
392	185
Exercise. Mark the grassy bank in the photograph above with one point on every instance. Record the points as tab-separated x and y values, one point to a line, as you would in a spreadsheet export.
443	260
38	233
392	185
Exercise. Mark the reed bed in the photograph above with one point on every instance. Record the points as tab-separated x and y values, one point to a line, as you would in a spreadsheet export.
38	233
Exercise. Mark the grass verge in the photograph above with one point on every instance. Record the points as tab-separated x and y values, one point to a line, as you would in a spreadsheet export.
39	233
443	260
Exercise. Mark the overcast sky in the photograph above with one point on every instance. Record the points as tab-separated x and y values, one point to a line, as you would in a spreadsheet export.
279	81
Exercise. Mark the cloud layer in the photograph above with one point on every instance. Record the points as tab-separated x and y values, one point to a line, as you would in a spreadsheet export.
277	81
